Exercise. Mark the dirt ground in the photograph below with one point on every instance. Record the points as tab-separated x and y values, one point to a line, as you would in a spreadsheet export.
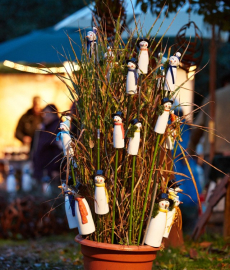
57	252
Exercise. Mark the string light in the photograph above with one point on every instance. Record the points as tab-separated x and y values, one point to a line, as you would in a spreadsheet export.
70	67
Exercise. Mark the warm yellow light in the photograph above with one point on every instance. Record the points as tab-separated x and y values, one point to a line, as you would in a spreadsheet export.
191	73
73	67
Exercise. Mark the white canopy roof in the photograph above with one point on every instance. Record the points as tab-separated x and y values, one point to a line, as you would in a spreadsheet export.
83	19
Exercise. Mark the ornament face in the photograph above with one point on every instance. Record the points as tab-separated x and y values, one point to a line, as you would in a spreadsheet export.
91	36
174	61
167	105
164	204
117	119
131	65
139	125
143	45
64	187
99	179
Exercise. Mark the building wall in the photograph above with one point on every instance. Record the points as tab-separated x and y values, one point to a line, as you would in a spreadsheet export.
16	93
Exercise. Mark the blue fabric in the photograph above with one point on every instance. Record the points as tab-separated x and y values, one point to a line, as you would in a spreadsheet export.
71	202
135	74
181	167
59	134
89	47
171	71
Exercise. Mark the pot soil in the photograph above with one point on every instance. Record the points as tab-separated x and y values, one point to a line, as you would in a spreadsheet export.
102	256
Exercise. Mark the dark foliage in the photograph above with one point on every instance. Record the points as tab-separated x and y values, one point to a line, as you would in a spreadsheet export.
21	17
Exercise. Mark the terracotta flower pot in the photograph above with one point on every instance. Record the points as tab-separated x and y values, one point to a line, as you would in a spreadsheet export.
101	256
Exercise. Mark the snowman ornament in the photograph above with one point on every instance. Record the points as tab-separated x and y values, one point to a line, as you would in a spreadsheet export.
101	195
109	56
134	141
82	211
131	80
69	205
157	224
162	119
143	57
11	182
171	216
118	131
27	181
172	131
65	137
91	42
161	70
171	74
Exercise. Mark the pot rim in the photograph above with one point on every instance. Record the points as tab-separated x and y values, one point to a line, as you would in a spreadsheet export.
94	244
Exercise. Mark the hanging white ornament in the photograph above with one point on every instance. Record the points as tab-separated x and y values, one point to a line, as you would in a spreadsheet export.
109	57
69	206
27	181
132	77
143	57
162	119
134	141
175	213
157	224
101	198
82	211
171	74
92	43
11	182
118	131
65	137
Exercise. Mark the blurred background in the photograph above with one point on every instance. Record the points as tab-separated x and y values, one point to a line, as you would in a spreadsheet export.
33	37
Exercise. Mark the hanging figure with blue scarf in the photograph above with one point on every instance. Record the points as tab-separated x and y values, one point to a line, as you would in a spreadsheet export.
92	43
171	74
131	81
65	137
69	204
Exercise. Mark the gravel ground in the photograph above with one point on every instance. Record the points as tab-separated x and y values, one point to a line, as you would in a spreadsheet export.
59	252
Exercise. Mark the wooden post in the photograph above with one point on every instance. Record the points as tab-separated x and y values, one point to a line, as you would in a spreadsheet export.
227	213
212	89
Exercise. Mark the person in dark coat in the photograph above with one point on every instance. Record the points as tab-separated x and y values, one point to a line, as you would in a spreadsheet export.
29	122
47	151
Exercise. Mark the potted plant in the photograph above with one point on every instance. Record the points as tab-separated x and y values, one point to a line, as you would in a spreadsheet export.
119	165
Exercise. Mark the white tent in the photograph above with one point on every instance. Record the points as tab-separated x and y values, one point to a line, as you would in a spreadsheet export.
83	19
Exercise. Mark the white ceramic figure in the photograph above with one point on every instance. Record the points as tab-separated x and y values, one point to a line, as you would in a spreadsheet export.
11	182
91	42
101	195
171	217
82	211
170	78
170	140
69	206
132	76
46	184
162	119
134	142
173	189
157	224
27	181
118	131
172	132
143	57
162	70
109	56
65	137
